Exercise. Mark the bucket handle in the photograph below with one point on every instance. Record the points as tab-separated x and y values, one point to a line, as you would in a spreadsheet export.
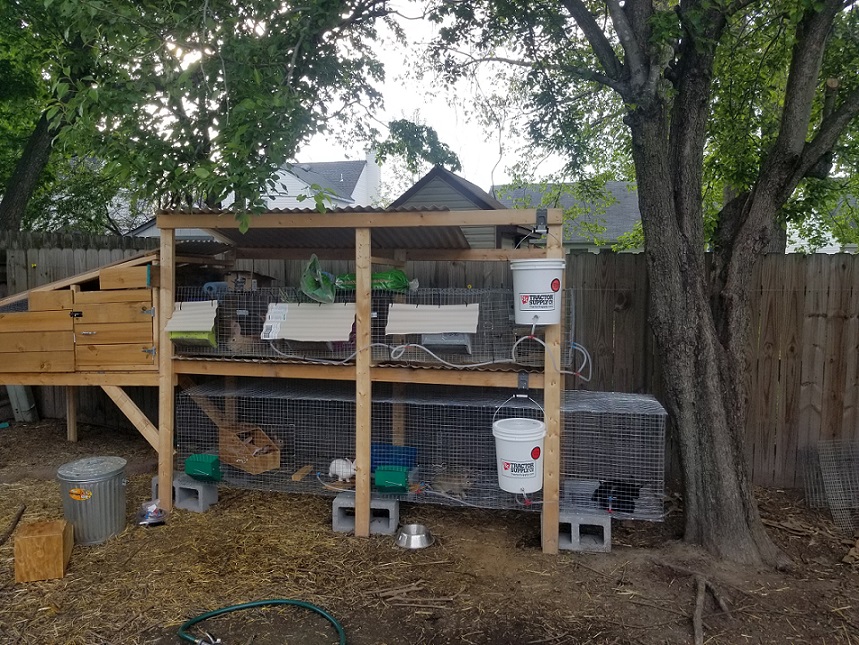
518	396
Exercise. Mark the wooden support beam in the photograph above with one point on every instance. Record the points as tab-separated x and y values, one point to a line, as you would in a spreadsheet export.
475	255
71	413
552	405
379	373
61	379
379	219
363	382
166	398
135	415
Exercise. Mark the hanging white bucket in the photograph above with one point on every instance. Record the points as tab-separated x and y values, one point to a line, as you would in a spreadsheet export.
519	454
537	291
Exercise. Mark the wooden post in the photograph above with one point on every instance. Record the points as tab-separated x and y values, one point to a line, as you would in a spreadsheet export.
363	384
71	413
552	404
166	397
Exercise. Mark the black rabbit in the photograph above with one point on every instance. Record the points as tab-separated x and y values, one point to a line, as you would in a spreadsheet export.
617	496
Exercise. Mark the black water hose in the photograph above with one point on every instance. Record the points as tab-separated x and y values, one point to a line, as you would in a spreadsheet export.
259	603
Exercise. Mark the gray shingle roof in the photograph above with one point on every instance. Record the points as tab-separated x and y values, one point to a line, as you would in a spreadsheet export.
618	217
341	177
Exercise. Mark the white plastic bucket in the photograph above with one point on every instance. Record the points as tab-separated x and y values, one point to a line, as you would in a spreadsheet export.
519	454
537	291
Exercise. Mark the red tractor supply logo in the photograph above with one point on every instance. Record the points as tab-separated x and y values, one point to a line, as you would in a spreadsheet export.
537	302
523	469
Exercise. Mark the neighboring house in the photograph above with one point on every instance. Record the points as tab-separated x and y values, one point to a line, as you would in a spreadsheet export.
604	220
345	183
440	188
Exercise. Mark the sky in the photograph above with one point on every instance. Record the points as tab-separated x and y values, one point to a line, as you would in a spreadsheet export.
484	161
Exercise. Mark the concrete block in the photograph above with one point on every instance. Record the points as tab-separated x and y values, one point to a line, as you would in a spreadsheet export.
384	514
190	494
585	532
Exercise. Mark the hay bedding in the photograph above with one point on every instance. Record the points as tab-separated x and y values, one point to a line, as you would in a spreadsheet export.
485	581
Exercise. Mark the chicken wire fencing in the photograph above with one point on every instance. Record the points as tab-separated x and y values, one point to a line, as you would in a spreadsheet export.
832	480
428	444
247	324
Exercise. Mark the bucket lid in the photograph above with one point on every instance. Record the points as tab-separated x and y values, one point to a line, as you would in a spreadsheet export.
91	469
519	428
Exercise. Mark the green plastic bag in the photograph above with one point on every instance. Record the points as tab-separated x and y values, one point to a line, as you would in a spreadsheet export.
317	284
393	280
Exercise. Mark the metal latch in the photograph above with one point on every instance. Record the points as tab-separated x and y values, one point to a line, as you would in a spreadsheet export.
150	311
76	314
523	384
152	351
542	224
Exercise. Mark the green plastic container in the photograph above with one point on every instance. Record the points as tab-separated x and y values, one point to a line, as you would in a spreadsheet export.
391	479
206	468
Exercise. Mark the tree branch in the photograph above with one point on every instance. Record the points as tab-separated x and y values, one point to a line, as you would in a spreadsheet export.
596	37
804	70
631	47
827	134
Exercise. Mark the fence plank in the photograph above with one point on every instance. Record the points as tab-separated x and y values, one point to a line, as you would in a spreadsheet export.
840	276
813	351
786	471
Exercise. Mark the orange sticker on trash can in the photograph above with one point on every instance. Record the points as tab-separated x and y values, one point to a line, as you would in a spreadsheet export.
80	494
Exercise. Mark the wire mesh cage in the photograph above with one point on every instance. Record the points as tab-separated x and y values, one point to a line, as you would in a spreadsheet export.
300	437
16	306
613	454
839	470
428	444
242	328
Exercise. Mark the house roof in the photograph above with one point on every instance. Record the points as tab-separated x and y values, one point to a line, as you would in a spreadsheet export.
618	218
472	192
340	177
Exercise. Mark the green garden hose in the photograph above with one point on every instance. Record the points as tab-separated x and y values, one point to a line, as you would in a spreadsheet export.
258	603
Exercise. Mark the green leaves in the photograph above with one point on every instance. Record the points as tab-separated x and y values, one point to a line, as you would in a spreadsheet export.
415	143
194	104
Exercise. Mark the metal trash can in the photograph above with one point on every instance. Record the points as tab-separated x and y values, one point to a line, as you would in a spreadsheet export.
93	492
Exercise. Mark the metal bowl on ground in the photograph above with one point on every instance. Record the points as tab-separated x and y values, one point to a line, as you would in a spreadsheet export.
414	536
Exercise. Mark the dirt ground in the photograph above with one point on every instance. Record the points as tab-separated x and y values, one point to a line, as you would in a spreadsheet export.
484	581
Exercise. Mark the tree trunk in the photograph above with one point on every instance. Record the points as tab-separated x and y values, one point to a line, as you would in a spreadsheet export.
22	184
704	387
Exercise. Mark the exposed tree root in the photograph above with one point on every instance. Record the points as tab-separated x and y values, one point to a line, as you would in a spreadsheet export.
702	585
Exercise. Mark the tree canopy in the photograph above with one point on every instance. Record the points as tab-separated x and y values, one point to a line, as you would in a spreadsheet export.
185	101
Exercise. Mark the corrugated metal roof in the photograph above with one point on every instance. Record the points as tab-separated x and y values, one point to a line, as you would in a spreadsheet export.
432	319
193	316
309	322
257	236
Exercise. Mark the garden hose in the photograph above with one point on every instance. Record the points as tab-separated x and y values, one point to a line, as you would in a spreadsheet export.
251	605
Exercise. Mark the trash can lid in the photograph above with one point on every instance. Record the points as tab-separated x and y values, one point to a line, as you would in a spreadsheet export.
91	469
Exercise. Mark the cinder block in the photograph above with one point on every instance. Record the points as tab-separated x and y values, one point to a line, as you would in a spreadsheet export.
190	494
585	532
384	514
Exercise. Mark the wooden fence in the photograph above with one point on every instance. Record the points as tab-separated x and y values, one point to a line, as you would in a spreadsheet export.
803	355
